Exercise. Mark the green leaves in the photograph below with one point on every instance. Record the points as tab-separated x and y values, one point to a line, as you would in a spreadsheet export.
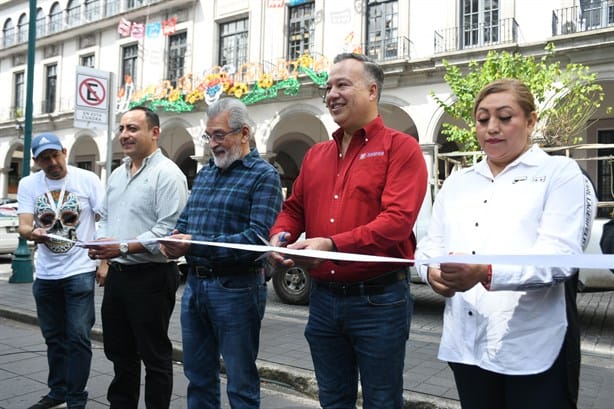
567	98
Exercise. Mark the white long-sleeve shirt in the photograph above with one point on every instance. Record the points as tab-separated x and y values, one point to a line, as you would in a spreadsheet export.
539	204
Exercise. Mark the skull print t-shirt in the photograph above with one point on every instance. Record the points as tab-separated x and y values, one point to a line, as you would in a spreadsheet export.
64	208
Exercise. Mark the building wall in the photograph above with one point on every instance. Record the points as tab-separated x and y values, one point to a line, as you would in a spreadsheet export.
286	125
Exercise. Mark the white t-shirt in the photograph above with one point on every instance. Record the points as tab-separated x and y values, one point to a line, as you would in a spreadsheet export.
80	195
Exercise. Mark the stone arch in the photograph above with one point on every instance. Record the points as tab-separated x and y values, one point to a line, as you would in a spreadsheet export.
177	143
12	167
84	152
292	133
395	117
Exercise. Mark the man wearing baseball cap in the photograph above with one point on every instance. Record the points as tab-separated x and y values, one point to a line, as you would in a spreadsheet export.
62	200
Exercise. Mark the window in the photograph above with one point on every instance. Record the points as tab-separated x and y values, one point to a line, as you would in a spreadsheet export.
22	28
85	162
55	18
176	57
301	22
19	94
88	60
130	55
87	165
111	8
40	23
480	23
8	33
73	13
605	174
233	43
382	29
597	13
92	10
131	4
51	81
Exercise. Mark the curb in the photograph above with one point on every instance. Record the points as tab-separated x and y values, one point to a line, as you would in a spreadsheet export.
297	379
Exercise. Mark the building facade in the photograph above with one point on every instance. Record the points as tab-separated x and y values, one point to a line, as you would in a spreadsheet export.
176	55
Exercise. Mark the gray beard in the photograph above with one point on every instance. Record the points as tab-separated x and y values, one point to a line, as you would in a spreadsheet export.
231	155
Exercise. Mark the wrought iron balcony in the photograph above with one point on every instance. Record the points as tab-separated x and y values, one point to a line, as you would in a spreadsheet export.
503	31
394	48
578	19
8	37
72	18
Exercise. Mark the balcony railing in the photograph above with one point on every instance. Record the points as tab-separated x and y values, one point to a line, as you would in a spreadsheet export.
578	19
8	37
388	49
504	31
70	18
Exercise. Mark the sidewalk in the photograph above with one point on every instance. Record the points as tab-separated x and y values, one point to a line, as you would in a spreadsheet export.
23	375
284	354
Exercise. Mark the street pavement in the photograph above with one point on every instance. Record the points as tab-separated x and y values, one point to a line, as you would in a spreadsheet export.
284	360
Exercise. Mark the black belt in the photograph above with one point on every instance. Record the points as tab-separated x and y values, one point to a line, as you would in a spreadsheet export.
373	286
215	271
138	266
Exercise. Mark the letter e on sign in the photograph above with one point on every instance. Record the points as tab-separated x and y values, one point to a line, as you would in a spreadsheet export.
92	92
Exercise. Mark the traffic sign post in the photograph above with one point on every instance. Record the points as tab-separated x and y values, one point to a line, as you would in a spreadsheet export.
92	99
94	105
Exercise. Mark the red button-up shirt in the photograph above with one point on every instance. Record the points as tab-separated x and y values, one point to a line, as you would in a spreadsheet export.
366	201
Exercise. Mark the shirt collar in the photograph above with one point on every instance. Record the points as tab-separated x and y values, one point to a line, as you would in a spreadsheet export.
127	161
532	157
368	131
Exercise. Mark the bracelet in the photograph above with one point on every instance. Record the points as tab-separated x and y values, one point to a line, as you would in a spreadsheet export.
486	283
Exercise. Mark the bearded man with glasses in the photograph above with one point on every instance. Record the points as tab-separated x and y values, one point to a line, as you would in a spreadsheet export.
234	199
63	201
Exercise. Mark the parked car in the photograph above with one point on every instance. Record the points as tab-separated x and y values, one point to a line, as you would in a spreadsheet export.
595	279
292	285
9	222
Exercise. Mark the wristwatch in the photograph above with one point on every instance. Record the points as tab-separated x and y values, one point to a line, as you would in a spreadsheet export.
123	248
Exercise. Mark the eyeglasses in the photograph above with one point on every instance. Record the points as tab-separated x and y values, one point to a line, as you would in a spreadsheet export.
218	136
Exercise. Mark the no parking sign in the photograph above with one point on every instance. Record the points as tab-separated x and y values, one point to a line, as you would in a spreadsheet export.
92	98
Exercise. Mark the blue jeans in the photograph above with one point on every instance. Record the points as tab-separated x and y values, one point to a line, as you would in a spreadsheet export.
65	309
366	334
222	316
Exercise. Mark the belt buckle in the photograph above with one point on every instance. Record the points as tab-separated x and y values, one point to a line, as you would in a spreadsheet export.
343	289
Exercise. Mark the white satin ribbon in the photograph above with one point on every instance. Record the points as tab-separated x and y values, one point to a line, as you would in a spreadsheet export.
596	261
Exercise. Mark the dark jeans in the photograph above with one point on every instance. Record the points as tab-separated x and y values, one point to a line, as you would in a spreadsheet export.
65	310
572	338
222	316
366	334
136	309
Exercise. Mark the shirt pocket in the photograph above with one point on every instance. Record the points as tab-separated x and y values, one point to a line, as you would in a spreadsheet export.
367	179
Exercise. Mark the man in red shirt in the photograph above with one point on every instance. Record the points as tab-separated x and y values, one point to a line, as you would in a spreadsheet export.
357	193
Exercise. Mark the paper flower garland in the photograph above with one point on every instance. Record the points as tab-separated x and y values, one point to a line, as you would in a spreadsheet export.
185	95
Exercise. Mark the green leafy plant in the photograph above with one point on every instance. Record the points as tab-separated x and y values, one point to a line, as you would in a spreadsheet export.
567	98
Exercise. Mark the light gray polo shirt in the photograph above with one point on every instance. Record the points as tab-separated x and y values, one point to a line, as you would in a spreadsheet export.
145	205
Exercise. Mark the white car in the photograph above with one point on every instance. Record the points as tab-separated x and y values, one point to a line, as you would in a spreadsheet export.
596	279
9	238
